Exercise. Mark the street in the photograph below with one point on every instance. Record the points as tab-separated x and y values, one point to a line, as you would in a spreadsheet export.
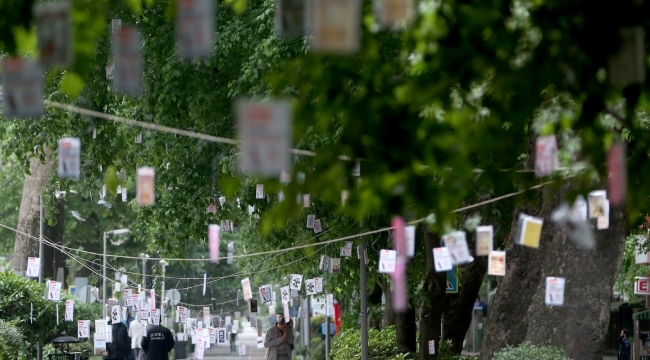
248	337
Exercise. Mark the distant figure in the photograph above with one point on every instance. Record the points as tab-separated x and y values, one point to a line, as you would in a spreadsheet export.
129	319
277	341
624	346
158	343
118	349
233	339
135	332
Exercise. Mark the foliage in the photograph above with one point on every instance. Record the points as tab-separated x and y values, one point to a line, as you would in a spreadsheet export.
11	178
629	269
12	341
381	344
527	351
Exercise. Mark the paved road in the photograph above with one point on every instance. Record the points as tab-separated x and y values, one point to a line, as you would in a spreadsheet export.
248	337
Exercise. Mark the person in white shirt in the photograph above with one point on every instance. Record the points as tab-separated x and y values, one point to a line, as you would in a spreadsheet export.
135	332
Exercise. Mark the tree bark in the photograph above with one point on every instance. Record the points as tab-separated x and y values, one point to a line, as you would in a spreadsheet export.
406	330
432	307
53	259
28	217
389	314
580	326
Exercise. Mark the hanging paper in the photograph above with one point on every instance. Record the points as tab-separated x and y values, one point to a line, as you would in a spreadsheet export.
398	277
260	342
616	168
296	282
155	317
242	349
213	236
33	267
319	284
254	309
124	191
387	261
311	219
409	234
346	250
246	289
205	282
83	329
324	264
603	221
101	327
69	155
442	259
546	158
264	129
336	26
54	30
116	25
265	293
213	334
329	301
344	197
181	315
393	14
290	18
285	294
69	310
145	190
109	72
578	230
530	231
259	191
432	347
457	245
335	265
22	88
54	291
230	257
195	28
127	295
129	62
356	170
115	314
287	315
310	287
212	208
109	334
497	263
124	279
317	227
484	240
596	201
306	200
225	226
554	291
199	348
221	335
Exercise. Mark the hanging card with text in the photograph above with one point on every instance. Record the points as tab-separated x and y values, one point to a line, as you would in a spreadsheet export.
484	240
69	158
296	282
497	263
336	26
22	88
33	267
213	240
387	261
456	242
246	289
310	286
442	259
195	27
54	30
129	61
69	310
554	291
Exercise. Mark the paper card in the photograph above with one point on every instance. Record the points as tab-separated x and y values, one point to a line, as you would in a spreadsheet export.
271	310
222	201
457	245
317	227
356	170
296	282
54	291
109	72
213	239
231	246
311	220
199	350
228	320
603	221
212	208
265	293
273	295
346	250
335	265
409	234
145	190
319	284
101	327
69	310
206	314
484	240
155	316
253	306
285	294
264	129
69	155
225	225
546	158
221	335
387	260
530	231
497	263
181	316
129	61
554	291
138	140
213	334
306	200
336	26
259	191
242	349
627	66
115	314
329	304
54	30
260	342
195	28
432	347
116	25
324	264
310	286
33	267
579	209
616	168
127	295
596	201
124	191
344	197
99	347
442	259
290	18
393	14
22	88
83	329
124	279
575	226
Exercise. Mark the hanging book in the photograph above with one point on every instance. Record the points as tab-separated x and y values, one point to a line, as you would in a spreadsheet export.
603	220
393	14
259	191
530	231
484	240
310	287
22	88
319	284
54	30
346	249
266	293
546	158
409	234
285	294
290	18
335	26
324	263
129	61
264	129
387	261
311	219
596	201
195	28
335	265
497	263
616	168
554	291
306	200
457	245
145	190
442	259
317	227
246	289
296	282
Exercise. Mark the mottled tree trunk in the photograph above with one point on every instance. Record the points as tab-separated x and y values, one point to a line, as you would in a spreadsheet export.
432	307
28	217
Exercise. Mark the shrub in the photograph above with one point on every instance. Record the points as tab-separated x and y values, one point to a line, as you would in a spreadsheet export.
381	345
11	341
528	351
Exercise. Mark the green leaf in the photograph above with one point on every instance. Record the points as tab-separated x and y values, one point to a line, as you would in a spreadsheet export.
26	41
135	6
72	84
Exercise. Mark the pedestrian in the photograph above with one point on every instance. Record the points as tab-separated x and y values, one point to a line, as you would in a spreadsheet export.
624	346
135	332
277	341
158	343
129	319
118	348
233	339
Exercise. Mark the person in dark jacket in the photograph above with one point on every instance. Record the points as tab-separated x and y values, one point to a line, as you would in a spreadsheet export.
624	346
119	348
158	342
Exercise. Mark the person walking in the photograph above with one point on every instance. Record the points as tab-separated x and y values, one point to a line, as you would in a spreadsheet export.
135	332
233	339
118	348
277	342
158	343
624	346
129	319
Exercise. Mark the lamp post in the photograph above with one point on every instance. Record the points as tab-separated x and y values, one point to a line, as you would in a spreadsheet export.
106	233
164	264
144	258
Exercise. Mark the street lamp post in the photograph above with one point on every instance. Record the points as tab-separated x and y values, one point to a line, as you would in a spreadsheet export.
144	258
164	264
106	233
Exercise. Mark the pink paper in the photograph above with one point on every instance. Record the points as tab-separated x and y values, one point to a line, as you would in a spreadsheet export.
399	237
400	301
213	236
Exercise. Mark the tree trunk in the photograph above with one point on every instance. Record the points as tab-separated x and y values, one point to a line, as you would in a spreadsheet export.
28	217
406	330
53	259
431	308
580	326
389	314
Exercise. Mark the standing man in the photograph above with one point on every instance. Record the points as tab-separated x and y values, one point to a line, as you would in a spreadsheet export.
277	342
135	332
158	343
624	346
118	349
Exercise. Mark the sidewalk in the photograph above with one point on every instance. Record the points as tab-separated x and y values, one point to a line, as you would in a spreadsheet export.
248	337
